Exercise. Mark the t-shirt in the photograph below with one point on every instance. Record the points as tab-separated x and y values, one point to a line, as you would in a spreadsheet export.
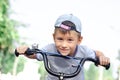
66	66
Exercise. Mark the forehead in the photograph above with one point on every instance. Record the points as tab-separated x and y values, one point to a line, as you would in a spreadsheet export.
60	31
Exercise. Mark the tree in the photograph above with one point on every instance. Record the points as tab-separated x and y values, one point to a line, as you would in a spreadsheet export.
8	35
42	71
107	74
91	73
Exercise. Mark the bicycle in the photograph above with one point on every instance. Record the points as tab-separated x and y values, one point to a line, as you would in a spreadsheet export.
62	74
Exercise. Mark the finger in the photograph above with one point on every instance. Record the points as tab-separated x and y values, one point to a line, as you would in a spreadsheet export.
105	60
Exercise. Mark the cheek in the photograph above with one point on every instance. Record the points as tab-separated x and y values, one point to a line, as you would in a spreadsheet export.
57	44
73	45
76	42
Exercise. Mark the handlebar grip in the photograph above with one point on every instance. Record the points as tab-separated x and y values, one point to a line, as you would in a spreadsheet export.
107	66
29	51
98	63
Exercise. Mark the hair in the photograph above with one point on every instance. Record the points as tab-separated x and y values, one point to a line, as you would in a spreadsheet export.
64	31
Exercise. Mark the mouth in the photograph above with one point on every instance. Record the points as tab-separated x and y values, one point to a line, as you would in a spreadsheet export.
64	52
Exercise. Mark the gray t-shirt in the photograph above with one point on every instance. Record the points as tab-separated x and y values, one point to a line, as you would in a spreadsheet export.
63	65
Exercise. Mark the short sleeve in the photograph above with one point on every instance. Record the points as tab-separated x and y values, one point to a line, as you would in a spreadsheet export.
84	51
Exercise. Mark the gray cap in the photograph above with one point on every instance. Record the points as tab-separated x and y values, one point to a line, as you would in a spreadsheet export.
69	17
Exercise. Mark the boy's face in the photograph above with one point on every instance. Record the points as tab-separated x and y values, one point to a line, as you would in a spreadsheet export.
66	43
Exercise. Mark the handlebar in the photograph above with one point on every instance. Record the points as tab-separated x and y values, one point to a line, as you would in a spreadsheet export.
62	75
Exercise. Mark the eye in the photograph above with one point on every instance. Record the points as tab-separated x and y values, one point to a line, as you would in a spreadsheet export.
59	38
70	39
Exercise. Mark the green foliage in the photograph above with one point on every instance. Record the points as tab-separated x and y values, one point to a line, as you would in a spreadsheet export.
91	73
20	66
107	74
42	71
8	32
7	63
8	35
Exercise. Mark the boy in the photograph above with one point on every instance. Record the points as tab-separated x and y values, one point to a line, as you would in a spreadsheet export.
67	38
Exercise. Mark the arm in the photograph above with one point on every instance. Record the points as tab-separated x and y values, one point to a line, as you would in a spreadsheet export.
103	59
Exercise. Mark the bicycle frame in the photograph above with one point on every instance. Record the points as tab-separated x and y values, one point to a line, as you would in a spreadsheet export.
62	75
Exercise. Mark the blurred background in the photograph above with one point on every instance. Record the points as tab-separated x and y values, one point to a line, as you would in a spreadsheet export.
25	22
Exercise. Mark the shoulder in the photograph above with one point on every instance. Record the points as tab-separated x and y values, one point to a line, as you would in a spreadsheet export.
83	47
85	51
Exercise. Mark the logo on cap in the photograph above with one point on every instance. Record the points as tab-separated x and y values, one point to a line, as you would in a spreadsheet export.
65	27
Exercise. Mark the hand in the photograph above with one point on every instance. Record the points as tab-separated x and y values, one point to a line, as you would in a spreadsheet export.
22	49
104	60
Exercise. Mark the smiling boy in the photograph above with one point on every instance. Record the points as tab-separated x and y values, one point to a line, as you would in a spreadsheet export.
67	42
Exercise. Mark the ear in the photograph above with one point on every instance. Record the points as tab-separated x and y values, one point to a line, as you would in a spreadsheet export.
80	39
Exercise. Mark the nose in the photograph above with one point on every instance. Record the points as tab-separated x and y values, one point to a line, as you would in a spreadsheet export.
64	44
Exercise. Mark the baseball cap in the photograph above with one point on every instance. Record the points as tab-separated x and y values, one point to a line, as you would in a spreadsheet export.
71	18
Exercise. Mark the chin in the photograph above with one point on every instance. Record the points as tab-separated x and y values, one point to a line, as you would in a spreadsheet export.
64	54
